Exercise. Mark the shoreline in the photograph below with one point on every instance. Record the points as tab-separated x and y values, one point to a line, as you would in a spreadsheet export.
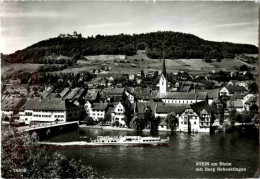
116	128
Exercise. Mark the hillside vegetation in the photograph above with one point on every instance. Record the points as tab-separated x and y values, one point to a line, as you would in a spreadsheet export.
174	45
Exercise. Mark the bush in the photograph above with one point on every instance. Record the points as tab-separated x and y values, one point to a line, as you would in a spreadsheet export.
115	124
20	151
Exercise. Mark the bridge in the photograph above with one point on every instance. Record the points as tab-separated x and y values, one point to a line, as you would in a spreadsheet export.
47	129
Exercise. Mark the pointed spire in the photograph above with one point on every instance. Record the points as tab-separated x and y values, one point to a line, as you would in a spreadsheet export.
164	68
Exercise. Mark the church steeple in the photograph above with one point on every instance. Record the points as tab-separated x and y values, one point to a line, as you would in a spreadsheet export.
164	69
163	83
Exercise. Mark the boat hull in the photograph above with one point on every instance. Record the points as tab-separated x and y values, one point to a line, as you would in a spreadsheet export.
164	142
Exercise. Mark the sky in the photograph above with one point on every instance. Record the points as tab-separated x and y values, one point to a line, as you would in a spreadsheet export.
26	23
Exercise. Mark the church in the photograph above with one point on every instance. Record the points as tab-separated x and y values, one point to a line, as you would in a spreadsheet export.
177	97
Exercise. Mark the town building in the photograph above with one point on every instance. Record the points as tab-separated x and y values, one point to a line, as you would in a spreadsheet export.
46	110
75	95
182	97
10	105
96	110
196	118
231	90
117	114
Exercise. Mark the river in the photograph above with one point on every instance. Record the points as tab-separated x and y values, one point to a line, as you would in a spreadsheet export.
241	149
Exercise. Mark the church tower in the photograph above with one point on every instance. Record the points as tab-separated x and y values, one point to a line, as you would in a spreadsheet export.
163	83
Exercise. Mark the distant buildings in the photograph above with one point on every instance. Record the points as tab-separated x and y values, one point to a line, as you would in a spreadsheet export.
231	90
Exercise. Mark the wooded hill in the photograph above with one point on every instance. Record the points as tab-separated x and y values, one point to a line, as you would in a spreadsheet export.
173	44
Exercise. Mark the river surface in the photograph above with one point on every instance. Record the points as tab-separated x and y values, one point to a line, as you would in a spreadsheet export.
178	160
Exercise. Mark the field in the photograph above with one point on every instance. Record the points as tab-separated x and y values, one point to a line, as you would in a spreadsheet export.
134	64
12	68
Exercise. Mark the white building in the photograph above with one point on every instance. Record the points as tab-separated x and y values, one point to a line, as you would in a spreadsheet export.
48	110
196	117
96	110
117	114
182	97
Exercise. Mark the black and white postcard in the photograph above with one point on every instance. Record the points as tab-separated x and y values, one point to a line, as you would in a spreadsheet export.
129	89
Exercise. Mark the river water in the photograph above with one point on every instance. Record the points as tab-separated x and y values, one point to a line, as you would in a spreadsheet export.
241	149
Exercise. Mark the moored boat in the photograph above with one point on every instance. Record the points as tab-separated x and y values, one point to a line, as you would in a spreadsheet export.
128	140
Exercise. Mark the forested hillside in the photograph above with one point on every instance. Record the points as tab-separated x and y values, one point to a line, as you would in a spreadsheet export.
173	44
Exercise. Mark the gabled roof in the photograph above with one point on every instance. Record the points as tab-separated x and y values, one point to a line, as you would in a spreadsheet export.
238	96
71	94
52	104
113	91
201	107
64	92
100	106
169	108
235	88
11	103
151	103
91	95
212	93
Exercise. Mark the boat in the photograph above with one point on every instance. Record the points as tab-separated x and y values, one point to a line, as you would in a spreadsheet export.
129	140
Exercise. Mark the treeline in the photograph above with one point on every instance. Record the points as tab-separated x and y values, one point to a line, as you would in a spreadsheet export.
157	44
62	80
51	68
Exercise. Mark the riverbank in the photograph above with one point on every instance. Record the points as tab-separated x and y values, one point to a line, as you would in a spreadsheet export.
116	128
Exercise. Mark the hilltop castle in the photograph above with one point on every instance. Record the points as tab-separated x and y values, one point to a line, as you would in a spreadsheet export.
74	35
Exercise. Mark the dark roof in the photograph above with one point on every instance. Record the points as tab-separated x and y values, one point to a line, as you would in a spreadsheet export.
91	95
238	96
100	106
64	92
71	94
113	91
171	108
151	103
235	88
109	110
183	95
11	103
200	106
212	93
52	104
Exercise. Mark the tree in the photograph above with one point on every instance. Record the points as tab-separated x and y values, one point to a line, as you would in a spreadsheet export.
232	116
88	120
148	117
128	112
22	157
172	121
115	123
253	87
137	123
